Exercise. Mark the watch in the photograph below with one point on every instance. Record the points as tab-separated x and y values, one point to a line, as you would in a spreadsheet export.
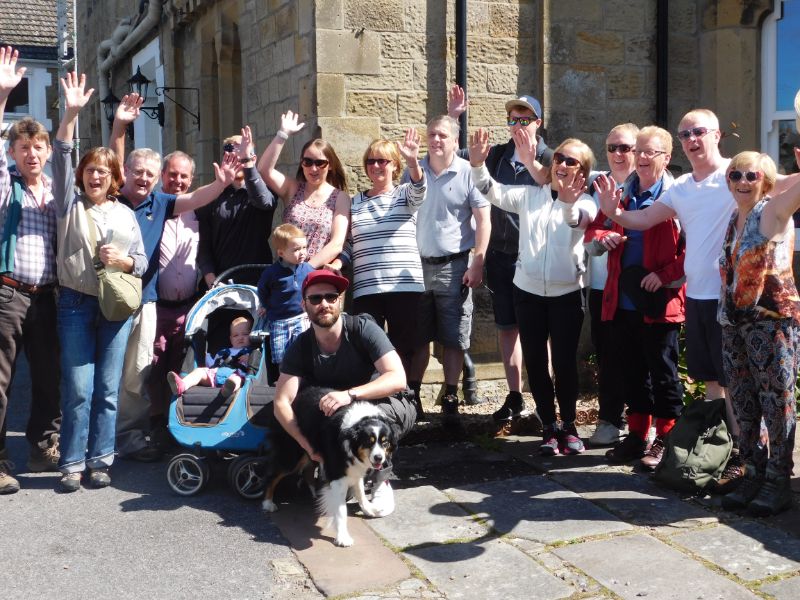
353	395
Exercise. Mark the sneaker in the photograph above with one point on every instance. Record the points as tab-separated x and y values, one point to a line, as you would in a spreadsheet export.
745	492
512	409
99	478
654	454
8	484
550	444
568	440
229	388
774	496
605	434
44	455
69	482
630	448
383	500
176	383
450	416
732	475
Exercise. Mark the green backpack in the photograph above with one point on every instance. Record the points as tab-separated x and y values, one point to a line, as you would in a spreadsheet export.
697	448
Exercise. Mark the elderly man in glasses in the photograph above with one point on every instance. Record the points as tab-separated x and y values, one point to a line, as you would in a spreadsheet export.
523	115
644	299
351	355
703	204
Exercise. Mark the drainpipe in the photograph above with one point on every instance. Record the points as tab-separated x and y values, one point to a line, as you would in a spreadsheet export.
461	63
114	49
662	63
469	382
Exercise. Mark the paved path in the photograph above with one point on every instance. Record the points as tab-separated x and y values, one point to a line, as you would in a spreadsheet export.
474	520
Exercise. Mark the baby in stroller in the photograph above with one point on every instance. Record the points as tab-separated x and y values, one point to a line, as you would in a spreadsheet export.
227	368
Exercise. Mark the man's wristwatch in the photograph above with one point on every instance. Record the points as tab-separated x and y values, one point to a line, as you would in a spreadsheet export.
247	159
353	395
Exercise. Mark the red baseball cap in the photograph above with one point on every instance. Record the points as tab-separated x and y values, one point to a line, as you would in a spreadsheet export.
326	276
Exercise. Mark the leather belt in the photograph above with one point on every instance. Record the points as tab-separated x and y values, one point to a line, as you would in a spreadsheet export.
26	288
442	260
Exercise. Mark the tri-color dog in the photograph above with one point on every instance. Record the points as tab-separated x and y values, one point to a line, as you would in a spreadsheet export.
356	439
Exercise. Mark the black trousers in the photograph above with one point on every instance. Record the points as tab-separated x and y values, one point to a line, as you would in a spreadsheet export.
558	319
647	354
28	322
610	388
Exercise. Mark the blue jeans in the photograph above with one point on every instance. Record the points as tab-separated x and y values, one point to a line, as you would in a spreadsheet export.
92	352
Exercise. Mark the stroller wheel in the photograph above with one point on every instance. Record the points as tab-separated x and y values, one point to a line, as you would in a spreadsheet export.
246	476
187	474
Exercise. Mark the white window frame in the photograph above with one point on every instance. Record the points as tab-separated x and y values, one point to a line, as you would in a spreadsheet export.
770	116
146	131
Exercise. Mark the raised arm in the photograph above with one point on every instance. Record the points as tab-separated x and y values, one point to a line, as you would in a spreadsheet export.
526	150
507	197
258	193
456	102
10	77
127	112
75	98
409	150
284	186
224	175
638	220
779	210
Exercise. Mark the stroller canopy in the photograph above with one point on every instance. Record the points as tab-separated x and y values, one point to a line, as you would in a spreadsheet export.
234	296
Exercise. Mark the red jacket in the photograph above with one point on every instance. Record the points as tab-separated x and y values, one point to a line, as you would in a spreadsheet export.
664	252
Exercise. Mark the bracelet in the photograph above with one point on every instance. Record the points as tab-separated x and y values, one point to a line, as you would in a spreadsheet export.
282	134
247	159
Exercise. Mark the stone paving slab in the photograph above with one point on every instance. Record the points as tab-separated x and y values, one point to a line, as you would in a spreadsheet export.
492	569
746	549
366	565
633	498
788	589
535	508
638	566
424	515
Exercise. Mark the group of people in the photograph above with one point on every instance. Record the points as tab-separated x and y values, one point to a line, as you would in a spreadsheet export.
652	252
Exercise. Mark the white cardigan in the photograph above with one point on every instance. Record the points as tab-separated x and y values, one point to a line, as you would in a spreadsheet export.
551	255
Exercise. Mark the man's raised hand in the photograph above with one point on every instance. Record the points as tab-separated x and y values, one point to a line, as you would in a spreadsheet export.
10	76
75	94
478	147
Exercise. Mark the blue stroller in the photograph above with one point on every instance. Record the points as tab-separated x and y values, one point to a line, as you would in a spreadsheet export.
213	429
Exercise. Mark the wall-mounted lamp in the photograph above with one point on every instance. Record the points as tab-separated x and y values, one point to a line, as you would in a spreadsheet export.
110	104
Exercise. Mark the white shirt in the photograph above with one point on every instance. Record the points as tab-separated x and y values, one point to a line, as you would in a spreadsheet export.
704	209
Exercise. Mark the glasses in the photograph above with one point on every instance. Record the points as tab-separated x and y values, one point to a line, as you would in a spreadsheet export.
230	147
649	153
524	121
314	162
621	148
694	132
750	176
100	172
567	160
316	299
143	173
381	162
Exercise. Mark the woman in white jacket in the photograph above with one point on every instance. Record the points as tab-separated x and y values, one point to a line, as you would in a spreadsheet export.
550	273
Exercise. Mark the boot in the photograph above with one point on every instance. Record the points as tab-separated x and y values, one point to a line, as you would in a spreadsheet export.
512	408
747	490
8	484
44	455
774	496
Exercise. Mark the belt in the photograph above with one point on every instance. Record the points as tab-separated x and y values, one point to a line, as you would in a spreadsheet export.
164	303
26	288
441	260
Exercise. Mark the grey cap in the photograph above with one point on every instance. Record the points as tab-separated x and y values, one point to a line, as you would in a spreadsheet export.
528	102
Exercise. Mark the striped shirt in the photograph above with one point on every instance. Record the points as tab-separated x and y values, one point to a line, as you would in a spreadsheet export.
35	251
383	241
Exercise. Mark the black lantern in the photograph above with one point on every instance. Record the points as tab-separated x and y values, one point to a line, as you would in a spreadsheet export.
110	104
139	83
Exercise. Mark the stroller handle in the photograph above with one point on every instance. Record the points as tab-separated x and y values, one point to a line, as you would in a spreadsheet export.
248	267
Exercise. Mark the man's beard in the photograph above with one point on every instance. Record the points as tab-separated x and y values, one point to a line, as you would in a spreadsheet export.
326	320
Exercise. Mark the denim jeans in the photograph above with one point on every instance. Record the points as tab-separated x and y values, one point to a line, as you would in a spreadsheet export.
92	351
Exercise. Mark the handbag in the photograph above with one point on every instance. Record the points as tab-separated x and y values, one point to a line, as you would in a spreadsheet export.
119	294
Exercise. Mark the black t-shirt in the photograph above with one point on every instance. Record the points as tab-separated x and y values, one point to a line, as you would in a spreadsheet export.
363	343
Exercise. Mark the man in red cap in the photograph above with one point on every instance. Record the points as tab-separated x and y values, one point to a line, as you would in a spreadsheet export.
351	355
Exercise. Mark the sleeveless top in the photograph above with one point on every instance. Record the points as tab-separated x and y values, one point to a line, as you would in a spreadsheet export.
757	280
314	221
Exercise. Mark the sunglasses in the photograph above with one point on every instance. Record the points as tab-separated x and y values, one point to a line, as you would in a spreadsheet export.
694	132
229	147
750	176
524	121
381	162
621	148
316	299
314	162
567	160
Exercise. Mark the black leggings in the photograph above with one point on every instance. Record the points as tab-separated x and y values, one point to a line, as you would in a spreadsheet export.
558	318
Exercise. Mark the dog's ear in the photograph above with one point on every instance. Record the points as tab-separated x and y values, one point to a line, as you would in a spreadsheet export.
348	438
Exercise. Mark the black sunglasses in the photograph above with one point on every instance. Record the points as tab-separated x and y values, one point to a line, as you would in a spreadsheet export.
381	162
316	299
751	176
696	132
229	147
622	148
316	162
524	121
567	160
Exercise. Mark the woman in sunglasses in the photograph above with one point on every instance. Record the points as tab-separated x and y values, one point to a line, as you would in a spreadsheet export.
550	273
316	200
759	311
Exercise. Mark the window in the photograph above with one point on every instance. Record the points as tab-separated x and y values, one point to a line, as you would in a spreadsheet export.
18	101
780	63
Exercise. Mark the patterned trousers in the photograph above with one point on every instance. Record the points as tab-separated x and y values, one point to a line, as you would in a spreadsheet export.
761	362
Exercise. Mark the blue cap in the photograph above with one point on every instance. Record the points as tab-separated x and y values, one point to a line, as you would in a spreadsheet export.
528	102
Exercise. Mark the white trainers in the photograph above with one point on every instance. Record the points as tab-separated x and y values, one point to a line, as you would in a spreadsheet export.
605	434
383	500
